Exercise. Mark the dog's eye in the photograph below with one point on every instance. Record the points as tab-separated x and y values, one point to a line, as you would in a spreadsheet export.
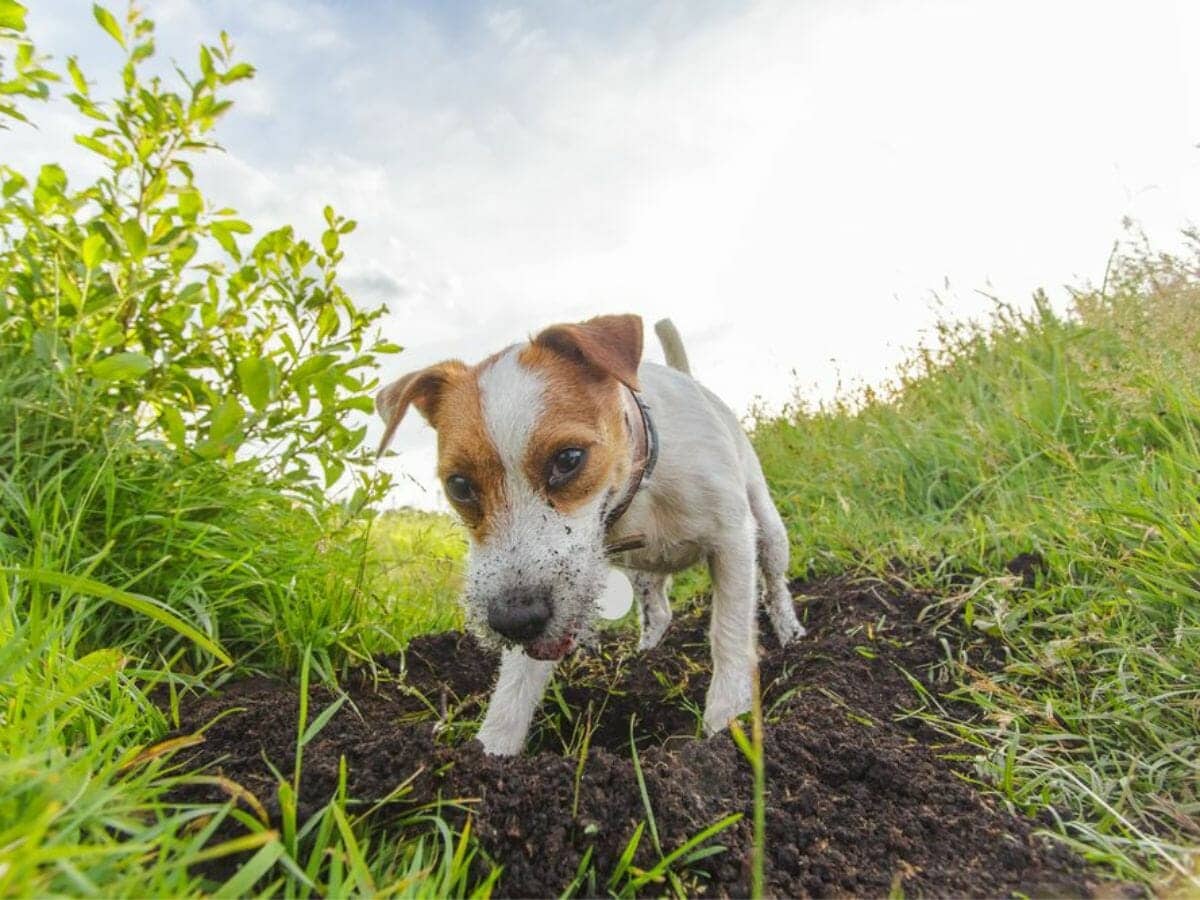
565	464
460	489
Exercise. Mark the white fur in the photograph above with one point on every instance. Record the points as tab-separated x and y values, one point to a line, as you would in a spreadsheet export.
706	500
518	692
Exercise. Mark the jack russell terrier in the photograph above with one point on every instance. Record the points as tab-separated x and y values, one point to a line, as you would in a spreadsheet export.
568	454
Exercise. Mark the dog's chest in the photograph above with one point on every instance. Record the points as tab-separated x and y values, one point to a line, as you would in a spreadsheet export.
669	542
665	557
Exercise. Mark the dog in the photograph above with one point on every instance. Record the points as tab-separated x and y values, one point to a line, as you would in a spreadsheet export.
567	454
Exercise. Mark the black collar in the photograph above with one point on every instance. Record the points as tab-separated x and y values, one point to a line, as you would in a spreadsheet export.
642	470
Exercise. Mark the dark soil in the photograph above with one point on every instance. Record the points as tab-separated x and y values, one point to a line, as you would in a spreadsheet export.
862	798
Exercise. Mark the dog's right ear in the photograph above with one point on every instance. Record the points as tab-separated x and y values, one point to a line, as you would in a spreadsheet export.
422	389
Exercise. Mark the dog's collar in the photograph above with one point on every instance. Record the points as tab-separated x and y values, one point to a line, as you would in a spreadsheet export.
643	467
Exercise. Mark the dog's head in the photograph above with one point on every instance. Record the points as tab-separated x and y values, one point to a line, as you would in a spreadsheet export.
533	452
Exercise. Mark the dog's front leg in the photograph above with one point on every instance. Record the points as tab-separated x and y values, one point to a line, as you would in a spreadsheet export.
733	632
516	697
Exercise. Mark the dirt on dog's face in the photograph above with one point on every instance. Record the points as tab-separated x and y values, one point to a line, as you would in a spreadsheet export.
533	451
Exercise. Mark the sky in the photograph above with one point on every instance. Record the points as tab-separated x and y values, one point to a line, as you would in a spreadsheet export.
803	187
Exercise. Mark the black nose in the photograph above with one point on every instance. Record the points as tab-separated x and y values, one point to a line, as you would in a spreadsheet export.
520	617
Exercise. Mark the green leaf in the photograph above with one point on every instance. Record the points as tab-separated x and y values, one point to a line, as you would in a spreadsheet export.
52	179
190	203
327	321
94	251
108	151
135	238
14	184
121	366
238	73
77	78
226	419
254	373
108	22
146	606
172	422
224	229
12	15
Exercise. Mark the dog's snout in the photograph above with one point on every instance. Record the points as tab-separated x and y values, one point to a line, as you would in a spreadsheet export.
522	617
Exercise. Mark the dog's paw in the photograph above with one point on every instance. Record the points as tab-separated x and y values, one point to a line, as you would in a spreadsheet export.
790	631
728	697
501	741
785	624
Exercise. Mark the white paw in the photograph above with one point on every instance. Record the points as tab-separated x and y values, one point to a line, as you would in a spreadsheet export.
790	631
501	740
787	627
728	697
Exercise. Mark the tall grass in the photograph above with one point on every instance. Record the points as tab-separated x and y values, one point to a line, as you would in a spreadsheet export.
1076	438
127	569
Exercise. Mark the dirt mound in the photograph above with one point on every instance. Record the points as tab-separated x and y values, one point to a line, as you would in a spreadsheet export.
861	799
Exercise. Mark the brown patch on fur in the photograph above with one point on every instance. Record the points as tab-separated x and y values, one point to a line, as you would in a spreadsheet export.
465	448
581	410
611	345
422	389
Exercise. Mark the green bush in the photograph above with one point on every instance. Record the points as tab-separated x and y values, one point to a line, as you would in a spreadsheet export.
178	399
177	392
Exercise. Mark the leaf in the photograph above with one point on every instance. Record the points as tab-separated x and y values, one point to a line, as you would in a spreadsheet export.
224	229
226	419
14	184
12	15
52	178
94	251
121	366
146	606
77	78
108	22
172	422
206	64
190	203
327	321
135	238
108	151
238	73
255	373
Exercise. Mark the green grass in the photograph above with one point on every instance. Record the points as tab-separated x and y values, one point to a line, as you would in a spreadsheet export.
1077	438
126	569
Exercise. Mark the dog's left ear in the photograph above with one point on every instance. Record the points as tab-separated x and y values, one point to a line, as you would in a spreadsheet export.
611	345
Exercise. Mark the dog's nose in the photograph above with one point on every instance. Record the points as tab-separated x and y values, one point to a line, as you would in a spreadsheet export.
520	617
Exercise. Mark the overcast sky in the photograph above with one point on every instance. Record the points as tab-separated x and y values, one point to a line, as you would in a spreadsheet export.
791	182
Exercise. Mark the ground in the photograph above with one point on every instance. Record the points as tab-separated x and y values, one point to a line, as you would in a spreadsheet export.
863	797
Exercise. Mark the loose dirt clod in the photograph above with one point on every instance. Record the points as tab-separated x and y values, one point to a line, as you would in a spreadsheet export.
861	799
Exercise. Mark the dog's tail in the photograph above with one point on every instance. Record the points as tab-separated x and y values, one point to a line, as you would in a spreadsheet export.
672	344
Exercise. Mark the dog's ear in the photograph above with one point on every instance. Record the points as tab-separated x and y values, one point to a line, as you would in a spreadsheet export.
422	389
609	344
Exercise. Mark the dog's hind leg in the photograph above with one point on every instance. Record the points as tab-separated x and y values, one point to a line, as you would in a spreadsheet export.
654	609
518	694
773	563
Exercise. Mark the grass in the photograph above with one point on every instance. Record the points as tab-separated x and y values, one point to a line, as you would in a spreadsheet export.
127	572
1076	438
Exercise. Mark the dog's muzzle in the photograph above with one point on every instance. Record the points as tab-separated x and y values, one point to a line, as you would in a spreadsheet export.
522	619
